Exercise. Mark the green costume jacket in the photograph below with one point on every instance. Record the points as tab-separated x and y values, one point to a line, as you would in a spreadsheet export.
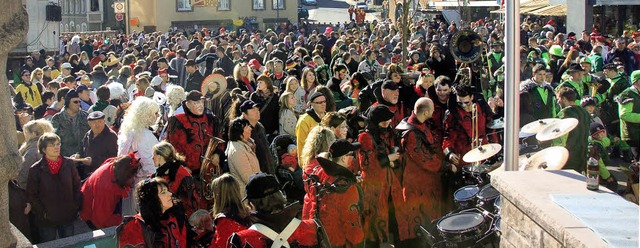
599	149
629	110
577	140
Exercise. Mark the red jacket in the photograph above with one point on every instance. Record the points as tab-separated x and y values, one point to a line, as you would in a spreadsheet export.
224	228
134	232
190	135
309	203
339	207
379	181
421	182
181	184
305	236
458	131
102	197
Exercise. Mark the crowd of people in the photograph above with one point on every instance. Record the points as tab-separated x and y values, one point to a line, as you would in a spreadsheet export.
329	137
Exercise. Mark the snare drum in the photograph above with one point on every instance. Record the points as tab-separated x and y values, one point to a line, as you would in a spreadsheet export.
461	227
465	196
487	198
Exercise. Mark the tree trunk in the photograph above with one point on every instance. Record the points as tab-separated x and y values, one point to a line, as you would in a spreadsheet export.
14	24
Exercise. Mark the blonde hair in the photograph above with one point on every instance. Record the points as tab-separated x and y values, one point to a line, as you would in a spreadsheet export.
36	128
140	115
175	96
237	71
318	141
284	102
227	196
167	151
288	83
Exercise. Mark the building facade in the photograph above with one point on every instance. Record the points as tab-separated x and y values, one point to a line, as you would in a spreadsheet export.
165	15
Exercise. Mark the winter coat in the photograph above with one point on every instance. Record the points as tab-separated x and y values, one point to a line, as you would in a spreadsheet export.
225	225
379	183
181	184
242	161
421	181
55	199
306	122
190	135
71	134
630	115
102	197
338	208
134	232
577	139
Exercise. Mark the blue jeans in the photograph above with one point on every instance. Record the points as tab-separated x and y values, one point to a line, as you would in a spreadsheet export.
48	233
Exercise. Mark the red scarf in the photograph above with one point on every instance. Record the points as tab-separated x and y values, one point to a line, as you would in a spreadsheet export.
247	83
54	166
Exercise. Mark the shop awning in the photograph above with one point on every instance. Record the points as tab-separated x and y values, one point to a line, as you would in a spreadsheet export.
553	10
459	4
526	6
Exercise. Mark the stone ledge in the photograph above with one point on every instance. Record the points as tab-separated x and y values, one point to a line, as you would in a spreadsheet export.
529	191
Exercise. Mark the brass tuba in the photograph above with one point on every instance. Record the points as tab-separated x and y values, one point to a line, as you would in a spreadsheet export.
466	46
210	169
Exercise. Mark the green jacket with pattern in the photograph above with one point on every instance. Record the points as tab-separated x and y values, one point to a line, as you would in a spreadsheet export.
629	110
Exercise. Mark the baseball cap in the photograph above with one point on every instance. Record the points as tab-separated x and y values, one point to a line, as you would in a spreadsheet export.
390	85
246	105
342	147
66	66
261	185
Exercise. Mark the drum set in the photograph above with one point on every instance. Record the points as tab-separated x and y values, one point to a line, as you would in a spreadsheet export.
476	221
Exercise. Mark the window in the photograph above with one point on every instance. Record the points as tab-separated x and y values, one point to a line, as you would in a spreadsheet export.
258	4
224	5
278	4
183	5
95	5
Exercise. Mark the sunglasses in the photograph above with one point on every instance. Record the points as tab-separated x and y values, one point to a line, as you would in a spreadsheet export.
76	101
464	103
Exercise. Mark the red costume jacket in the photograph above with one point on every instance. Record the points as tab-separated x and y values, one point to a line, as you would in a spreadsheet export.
421	182
181	184
190	135
379	181
225	226
339	204
309	203
134	232
458	131
102	197
306	235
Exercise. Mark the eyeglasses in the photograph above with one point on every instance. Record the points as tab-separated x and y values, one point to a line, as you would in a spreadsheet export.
464	103
320	102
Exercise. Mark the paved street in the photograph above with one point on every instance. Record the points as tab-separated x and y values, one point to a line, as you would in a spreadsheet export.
334	11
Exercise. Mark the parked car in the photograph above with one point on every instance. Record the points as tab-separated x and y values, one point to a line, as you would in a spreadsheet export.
309	2
303	13
363	6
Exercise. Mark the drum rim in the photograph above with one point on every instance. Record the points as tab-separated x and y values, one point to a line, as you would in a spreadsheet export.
481	197
461	231
467	198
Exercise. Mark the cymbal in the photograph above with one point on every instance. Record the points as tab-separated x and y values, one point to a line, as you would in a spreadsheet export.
481	153
496	124
537	126
523	135
557	129
552	158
